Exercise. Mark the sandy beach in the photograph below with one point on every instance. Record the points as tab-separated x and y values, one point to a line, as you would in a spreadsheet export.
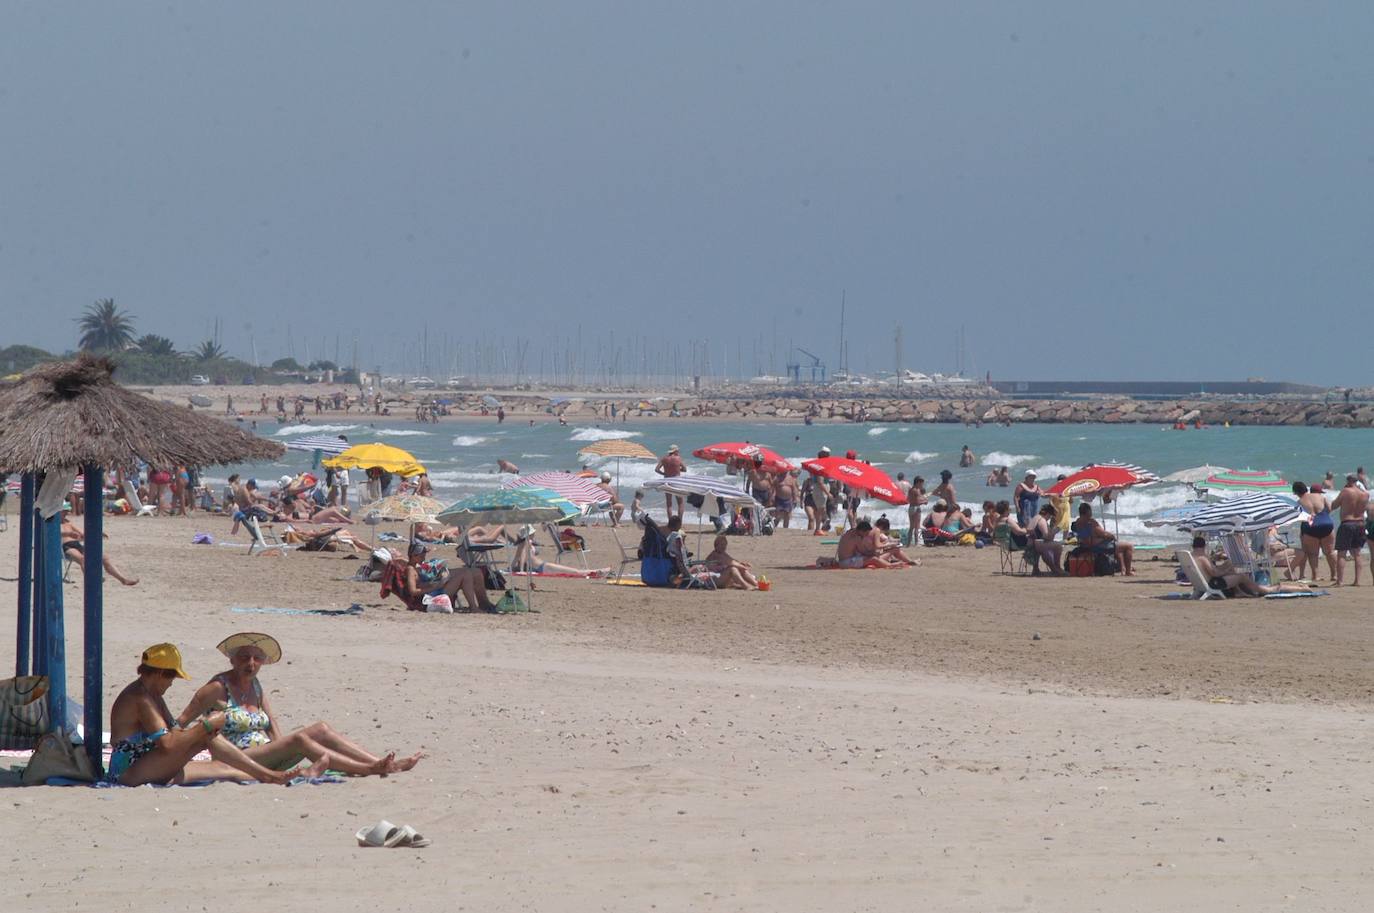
857	740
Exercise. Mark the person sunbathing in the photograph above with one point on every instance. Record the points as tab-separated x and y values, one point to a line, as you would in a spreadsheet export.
74	547
1231	580
303	510
526	559
886	546
251	725
435	533
150	746
737	575
849	551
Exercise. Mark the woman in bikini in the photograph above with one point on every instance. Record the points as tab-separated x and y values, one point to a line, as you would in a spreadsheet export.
251	726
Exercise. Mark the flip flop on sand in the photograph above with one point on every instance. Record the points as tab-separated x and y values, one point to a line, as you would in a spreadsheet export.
386	834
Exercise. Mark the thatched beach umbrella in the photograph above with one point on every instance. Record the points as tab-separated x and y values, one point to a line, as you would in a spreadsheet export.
69	416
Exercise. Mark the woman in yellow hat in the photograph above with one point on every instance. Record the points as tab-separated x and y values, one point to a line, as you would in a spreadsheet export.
151	747
251	725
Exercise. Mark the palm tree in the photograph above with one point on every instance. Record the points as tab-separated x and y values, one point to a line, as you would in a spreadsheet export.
209	350
105	328
153	344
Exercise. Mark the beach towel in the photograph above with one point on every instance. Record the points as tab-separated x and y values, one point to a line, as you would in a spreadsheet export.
354	609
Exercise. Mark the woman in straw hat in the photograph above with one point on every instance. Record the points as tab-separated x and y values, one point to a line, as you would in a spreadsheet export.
149	747
251	726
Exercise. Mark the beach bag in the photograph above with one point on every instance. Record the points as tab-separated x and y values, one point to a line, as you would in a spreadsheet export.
967	538
1080	565
23	711
655	571
510	604
1105	564
56	756
493	578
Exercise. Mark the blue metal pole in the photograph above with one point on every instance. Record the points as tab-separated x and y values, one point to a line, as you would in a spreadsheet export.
24	635
40	594
54	629
95	611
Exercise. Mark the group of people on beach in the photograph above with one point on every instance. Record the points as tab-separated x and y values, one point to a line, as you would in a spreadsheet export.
230	719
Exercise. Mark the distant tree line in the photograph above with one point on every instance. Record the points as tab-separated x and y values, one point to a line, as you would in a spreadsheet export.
154	359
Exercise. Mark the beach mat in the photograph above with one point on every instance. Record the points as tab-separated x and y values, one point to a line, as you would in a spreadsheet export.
354	609
195	784
626	581
1191	598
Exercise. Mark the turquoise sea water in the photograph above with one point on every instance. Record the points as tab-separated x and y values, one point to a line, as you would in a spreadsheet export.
461	456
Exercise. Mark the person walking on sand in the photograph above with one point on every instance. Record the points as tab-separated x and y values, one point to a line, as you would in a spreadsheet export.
1353	502
1316	536
669	466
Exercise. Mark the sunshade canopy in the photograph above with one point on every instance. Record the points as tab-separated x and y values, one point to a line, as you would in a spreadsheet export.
858	476
411	508
508	505
1243	480
577	489
376	456
745	452
72	413
1101	477
323	443
688	484
627	450
1244	514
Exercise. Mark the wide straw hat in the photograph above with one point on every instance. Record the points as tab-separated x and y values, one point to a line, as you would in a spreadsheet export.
165	656
264	642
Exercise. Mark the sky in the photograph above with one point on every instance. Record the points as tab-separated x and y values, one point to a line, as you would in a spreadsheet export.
1090	190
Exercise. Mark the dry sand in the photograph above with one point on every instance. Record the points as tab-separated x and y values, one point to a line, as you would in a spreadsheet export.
876	740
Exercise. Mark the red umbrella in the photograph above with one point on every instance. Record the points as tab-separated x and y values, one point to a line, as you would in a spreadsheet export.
1101	477
858	476
734	450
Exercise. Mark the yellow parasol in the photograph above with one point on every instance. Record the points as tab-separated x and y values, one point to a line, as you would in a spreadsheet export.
378	456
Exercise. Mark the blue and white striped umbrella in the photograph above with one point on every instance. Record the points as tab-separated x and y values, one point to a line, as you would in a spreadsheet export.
330	446
707	486
1245	514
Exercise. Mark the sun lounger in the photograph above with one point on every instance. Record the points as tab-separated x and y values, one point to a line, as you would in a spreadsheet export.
259	539
1202	587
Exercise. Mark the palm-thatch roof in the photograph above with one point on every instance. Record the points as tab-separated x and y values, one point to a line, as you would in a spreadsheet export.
68	414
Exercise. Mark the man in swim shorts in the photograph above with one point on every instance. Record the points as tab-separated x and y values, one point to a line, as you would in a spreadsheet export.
1352	501
849	550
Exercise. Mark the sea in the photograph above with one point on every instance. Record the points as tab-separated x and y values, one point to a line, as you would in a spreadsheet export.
461	455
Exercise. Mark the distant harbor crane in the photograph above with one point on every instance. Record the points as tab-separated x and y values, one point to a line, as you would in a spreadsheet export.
817	367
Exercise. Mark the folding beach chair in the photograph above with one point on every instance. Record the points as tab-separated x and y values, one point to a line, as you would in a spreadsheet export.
258	540
1202	587
1011	556
568	548
627	557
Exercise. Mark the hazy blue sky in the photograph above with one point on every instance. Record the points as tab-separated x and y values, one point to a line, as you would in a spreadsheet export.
1093	189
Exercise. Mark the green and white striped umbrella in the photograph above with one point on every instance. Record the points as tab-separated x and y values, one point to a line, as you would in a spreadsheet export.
509	505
